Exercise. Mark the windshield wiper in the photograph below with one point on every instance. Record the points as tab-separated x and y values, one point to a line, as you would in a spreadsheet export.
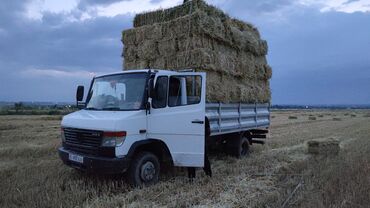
112	109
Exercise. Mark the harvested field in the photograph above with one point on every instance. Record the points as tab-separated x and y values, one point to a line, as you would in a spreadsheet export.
32	175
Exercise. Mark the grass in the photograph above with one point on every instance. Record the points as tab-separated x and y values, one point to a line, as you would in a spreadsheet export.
31	174
34	112
336	181
341	181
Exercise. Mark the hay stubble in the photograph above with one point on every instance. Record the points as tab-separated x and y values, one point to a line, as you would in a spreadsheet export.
32	175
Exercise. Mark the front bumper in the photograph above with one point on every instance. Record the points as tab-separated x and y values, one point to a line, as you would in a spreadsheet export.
93	164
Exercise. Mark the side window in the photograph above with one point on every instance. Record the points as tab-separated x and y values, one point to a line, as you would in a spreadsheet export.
161	89
184	90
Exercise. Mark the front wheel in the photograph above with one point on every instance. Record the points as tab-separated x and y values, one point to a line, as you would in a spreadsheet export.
144	170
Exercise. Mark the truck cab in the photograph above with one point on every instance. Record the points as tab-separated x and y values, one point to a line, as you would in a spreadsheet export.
136	121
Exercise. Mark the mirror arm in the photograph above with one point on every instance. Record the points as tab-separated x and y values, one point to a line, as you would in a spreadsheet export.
147	108
80	105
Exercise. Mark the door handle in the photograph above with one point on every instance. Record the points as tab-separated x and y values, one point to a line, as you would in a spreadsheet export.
197	122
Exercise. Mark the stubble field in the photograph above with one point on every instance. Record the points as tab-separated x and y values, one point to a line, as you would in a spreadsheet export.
278	174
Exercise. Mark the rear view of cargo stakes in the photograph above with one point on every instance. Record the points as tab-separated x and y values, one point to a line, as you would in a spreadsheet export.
198	36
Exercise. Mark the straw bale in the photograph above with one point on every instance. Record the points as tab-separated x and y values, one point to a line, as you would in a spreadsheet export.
326	146
158	63
130	53
268	72
199	24
202	37
129	36
142	64
244	26
167	47
166	15
147	50
130	64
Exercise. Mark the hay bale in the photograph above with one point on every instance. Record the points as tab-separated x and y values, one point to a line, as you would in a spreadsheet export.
199	36
327	146
312	118
166	15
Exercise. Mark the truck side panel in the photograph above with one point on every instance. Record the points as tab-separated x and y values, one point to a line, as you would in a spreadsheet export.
229	118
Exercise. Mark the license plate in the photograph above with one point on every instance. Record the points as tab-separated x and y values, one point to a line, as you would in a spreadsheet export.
76	158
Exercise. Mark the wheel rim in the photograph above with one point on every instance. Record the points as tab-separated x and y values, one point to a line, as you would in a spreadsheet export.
147	171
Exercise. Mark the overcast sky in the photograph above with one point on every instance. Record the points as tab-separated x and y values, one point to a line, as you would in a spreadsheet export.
319	49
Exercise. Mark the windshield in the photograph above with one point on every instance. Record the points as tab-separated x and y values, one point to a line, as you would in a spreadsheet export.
117	92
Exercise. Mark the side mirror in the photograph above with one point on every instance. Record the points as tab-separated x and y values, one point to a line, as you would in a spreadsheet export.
79	95
151	89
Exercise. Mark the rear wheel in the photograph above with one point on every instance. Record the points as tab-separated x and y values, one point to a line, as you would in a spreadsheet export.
244	151
238	146
144	170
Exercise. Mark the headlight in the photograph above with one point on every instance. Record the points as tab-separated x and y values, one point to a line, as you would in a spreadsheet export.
113	139
62	135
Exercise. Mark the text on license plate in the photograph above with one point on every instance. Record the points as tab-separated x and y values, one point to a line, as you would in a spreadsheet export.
76	158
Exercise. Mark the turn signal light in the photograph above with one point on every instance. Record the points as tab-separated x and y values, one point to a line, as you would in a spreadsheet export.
113	139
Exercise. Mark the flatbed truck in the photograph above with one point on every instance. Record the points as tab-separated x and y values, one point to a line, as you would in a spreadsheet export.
138	120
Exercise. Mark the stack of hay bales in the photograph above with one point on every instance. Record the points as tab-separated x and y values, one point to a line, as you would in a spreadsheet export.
327	146
201	37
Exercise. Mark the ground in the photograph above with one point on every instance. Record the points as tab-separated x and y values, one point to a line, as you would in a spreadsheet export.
278	174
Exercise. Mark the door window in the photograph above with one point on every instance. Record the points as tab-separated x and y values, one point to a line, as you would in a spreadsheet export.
184	90
160	99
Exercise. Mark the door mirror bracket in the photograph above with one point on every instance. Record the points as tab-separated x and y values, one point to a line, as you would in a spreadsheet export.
147	108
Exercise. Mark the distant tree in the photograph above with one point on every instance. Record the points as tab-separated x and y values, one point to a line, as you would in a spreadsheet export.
18	106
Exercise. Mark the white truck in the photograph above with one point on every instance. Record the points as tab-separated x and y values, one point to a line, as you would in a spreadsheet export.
135	121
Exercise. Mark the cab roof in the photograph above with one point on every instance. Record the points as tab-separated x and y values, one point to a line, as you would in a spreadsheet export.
160	71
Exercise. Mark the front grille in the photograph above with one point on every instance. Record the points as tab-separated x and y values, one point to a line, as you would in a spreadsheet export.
87	142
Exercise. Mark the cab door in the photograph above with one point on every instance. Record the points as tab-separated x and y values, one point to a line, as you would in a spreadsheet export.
177	116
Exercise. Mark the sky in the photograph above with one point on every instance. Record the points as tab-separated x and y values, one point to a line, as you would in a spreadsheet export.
319	49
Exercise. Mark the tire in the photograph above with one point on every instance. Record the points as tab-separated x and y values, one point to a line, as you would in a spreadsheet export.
144	170
238	146
244	145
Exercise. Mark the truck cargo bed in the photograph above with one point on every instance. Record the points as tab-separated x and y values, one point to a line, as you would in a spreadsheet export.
230	118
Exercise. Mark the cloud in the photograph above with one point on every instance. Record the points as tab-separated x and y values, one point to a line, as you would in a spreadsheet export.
3	32
321	47
55	73
36	56
275	11
36	8
131	7
81	10
345	6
